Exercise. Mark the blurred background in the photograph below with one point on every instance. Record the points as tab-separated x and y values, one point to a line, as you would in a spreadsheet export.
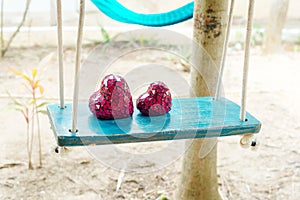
42	19
272	171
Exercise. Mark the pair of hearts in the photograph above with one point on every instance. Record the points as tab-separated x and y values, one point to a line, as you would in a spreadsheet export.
114	101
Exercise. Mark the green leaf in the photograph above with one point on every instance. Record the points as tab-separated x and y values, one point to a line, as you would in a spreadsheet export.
43	112
20	110
31	102
15	101
9	107
41	104
105	35
39	97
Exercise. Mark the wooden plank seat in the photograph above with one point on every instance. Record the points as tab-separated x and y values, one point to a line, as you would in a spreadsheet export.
189	118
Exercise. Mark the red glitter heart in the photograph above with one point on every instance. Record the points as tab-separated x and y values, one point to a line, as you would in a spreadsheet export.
156	101
113	100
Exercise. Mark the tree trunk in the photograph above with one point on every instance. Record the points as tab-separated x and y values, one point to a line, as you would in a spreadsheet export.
199	171
276	23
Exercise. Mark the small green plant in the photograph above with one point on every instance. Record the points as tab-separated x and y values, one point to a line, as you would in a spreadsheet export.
296	44
296	48
31	108
104	35
238	36
144	41
257	35
162	197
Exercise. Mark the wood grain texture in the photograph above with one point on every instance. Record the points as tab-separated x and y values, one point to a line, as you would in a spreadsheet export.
189	118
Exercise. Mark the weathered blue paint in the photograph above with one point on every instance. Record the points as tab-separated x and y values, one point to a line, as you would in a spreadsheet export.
189	118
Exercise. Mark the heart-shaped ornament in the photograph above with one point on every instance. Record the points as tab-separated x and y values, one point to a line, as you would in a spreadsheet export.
113	100
156	100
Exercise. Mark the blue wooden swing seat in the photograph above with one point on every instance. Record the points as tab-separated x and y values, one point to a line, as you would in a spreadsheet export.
189	118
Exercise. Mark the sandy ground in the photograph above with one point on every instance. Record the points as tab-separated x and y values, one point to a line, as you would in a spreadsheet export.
270	172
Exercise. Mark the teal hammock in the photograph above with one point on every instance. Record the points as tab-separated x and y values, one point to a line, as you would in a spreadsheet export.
116	11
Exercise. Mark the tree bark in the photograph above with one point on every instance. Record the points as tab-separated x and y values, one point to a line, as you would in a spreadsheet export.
199	170
272	43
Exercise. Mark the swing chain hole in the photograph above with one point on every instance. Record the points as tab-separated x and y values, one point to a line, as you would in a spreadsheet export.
72	131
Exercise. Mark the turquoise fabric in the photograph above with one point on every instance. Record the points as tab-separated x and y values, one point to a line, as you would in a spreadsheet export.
116	11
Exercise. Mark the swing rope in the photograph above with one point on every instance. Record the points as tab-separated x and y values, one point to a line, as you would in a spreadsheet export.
60	54
116	11
246	139
77	66
224	53
246	59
